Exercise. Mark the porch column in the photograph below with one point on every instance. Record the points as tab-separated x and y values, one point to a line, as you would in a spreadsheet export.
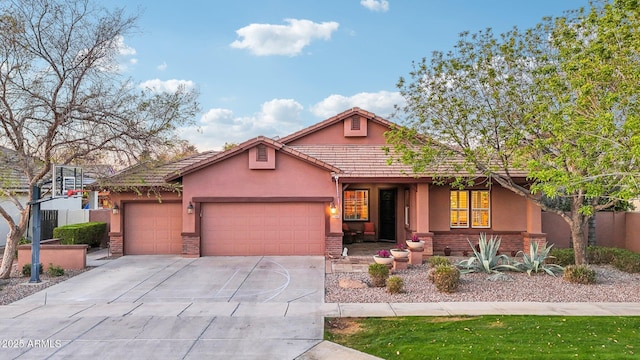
534	226
422	218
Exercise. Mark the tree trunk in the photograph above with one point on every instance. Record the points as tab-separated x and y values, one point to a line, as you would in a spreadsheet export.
592	231
9	253
579	243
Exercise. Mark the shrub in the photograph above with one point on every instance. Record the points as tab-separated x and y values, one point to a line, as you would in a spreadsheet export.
55	270
394	285
445	277
602	255
438	260
379	274
627	261
535	260
579	274
562	257
26	269
486	258
89	233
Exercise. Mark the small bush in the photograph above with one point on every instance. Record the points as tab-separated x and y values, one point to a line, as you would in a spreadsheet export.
438	260
627	261
445	277
562	257
26	269
90	233
55	271
579	274
394	285
379	274
602	255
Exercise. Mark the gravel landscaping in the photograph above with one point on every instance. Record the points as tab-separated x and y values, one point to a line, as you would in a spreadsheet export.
18	286
612	286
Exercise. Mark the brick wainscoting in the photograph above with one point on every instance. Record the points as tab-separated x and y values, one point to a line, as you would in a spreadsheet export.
457	241
115	244
190	245
333	244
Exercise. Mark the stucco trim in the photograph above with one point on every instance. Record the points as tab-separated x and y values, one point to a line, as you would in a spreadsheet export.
256	199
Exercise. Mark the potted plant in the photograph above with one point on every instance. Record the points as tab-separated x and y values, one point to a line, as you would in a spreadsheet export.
400	251
415	243
447	251
383	257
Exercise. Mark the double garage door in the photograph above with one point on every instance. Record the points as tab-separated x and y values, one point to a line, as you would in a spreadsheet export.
242	229
262	229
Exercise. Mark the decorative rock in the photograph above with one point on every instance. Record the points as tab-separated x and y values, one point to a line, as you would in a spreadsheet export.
351	284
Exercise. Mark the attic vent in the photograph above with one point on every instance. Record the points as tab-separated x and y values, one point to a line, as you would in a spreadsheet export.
261	154
355	123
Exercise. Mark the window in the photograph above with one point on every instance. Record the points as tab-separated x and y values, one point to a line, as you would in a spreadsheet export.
459	209
479	207
261	154
356	204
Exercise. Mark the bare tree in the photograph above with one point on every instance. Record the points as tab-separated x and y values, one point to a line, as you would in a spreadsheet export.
64	101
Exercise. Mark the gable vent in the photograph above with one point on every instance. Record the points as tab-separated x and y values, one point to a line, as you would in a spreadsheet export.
261	153
355	123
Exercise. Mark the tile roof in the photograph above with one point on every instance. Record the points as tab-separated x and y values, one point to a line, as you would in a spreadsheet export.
356	160
148	174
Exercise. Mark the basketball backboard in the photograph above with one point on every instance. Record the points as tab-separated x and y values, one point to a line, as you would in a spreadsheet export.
67	180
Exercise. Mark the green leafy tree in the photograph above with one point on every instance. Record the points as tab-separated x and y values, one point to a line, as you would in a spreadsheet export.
63	99
558	101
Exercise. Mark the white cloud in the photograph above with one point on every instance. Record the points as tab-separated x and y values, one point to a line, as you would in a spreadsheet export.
376	5
381	103
157	85
162	67
277	117
123	49
268	39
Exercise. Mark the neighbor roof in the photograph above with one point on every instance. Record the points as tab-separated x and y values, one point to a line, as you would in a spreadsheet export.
149	174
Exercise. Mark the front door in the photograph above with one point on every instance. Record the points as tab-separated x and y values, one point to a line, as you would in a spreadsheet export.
387	226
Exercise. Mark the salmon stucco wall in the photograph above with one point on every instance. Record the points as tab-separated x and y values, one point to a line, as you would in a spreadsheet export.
291	178
334	134
632	233
613	229
508	210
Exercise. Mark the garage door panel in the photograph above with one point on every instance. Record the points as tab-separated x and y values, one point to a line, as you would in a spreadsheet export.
263	229
152	228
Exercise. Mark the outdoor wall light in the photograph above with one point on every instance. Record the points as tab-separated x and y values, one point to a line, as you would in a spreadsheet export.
190	208
333	208
116	209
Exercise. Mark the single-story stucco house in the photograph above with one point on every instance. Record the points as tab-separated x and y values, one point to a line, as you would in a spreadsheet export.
296	194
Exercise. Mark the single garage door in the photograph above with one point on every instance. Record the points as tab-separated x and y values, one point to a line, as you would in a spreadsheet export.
152	228
263	229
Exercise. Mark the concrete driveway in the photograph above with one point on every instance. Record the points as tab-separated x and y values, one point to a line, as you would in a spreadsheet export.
169	307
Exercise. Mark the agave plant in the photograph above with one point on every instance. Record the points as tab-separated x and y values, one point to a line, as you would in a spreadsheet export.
534	261
485	258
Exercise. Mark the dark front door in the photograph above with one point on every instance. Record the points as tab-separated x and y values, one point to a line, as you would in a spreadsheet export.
387	226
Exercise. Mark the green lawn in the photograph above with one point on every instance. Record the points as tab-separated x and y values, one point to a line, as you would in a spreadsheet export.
490	337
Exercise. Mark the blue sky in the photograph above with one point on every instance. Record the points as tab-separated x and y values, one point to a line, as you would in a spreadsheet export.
275	66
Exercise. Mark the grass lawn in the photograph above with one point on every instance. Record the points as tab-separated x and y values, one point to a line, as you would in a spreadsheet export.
490	337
